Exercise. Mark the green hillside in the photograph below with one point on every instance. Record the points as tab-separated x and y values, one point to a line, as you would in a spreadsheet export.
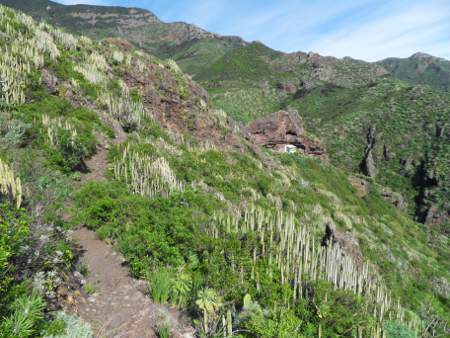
407	120
422	69
101	135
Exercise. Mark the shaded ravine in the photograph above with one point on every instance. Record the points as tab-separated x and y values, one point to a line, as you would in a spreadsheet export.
117	305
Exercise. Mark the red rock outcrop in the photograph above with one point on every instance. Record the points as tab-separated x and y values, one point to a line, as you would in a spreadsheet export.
282	129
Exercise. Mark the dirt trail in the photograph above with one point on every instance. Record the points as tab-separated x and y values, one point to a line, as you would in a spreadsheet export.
118	305
98	163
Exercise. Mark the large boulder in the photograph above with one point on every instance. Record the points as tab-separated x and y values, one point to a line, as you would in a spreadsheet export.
344	240
281	129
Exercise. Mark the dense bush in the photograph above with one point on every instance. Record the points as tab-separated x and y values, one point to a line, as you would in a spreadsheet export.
20	309
397	330
14	231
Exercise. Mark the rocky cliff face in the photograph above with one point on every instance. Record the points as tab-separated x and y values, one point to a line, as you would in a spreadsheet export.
283	128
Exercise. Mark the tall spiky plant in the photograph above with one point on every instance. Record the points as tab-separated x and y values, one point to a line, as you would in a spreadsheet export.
10	186
146	176
293	249
26	44
53	125
122	107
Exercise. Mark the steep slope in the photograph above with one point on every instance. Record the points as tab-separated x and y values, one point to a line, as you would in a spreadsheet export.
141	27
410	124
420	68
248	240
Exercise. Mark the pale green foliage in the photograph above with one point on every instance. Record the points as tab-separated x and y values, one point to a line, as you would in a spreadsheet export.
181	288
118	56
394	329
160	284
173	66
27	311
10	186
12	76
209	303
68	41
45	42
162	330
127	111
27	45
74	327
247	301
94	68
249	309
165	286
220	117
91	73
99	61
84	41
13	131
146	176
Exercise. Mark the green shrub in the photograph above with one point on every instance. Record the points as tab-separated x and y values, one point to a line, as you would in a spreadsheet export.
14	230
283	324
24	320
65	131
181	288
163	330
160	284
68	326
397	330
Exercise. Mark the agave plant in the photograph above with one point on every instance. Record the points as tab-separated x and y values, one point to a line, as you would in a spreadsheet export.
27	311
209	303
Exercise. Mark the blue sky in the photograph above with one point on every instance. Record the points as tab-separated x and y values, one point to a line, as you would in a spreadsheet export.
364	29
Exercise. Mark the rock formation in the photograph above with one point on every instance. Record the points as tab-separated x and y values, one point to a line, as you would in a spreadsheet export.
368	166
345	241
280	129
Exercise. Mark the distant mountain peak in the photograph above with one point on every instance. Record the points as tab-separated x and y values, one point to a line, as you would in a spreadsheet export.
419	55
422	56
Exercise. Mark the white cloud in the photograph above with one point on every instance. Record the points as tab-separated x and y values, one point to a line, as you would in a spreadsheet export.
392	31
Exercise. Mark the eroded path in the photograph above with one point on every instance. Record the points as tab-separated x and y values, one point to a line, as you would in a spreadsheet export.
117	305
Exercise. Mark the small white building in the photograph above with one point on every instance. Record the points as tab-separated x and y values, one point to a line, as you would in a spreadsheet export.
290	149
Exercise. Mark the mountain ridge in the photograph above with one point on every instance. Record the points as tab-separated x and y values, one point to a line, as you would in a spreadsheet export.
420	68
194	47
90	17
